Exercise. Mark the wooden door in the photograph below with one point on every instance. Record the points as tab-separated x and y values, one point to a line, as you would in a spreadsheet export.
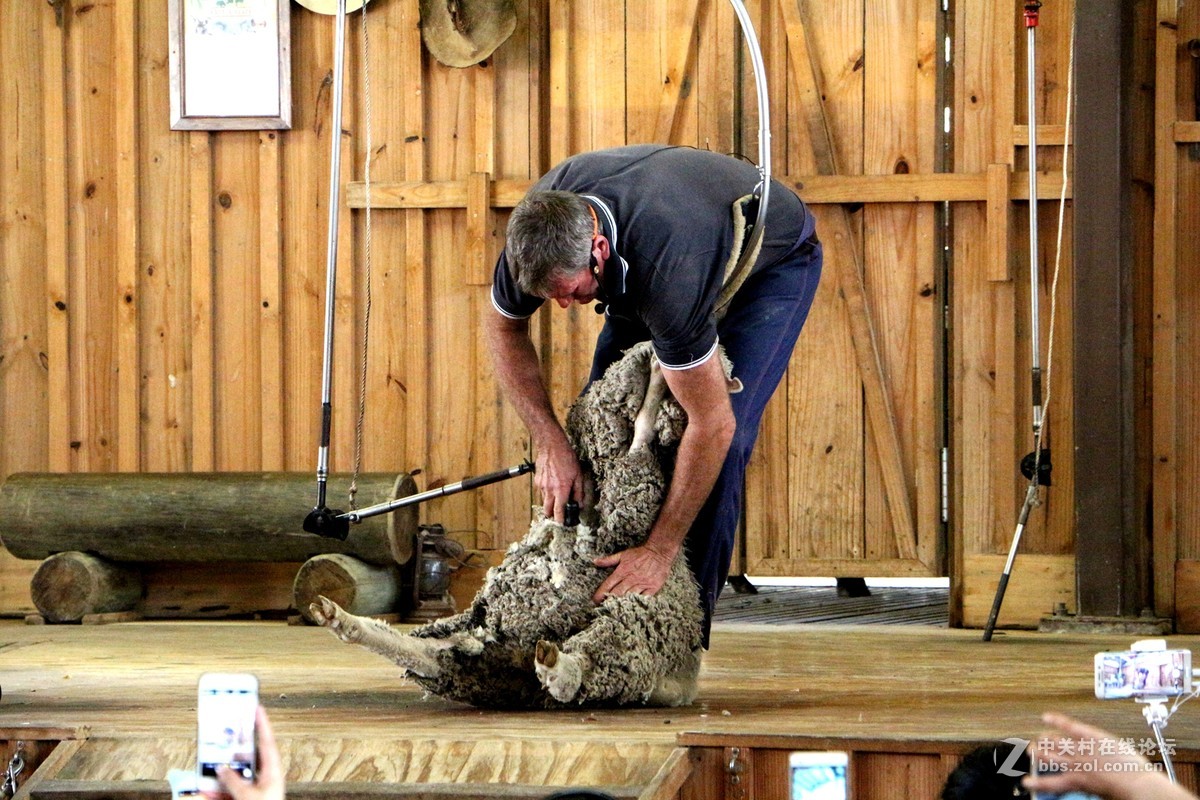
846	478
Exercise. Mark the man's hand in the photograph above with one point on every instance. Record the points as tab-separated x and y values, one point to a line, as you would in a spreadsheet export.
558	476
639	570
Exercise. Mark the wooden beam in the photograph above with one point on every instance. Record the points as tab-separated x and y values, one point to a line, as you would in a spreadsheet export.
482	234
670	778
1053	135
1185	132
850	279
813	189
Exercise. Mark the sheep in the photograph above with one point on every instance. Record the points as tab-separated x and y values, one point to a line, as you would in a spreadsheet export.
533	637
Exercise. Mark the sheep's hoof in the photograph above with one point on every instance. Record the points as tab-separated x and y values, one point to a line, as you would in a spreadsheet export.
561	673
329	614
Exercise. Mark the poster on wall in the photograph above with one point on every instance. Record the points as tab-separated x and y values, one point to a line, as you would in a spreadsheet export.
230	64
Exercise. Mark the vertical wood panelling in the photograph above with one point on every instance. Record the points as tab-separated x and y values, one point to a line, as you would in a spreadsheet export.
393	102
879	776
977	65
58	297
164	320
305	164
236	304
26	164
1179	279
898	257
200	226
92	264
413	374
24	349
128	245
270	302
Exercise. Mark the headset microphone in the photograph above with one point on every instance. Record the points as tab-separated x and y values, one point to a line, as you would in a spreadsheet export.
600	307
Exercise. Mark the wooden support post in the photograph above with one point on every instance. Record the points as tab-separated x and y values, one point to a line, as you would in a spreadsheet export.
1112	576
1164	381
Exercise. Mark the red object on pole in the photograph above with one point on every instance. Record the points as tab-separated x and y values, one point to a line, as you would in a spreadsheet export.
1031	13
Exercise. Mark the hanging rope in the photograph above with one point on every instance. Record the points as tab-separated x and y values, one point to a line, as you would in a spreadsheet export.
367	251
1062	210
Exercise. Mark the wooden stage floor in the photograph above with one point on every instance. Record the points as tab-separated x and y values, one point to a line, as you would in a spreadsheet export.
127	692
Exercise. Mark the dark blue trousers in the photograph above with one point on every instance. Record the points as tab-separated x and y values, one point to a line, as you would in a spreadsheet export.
759	332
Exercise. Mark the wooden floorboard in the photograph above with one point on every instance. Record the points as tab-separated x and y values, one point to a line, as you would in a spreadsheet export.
343	714
773	605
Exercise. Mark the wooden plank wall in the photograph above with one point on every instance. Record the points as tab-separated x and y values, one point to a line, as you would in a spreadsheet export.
1177	313
161	293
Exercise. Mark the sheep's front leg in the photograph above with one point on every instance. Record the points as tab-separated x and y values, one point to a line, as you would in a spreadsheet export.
656	390
418	656
561	673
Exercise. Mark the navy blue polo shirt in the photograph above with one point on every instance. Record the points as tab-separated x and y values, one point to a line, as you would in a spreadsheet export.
666	212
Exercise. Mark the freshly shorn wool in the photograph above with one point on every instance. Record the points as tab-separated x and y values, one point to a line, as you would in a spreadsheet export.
533	637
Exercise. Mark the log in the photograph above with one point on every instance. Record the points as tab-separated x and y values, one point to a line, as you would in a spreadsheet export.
355	585
69	586
225	516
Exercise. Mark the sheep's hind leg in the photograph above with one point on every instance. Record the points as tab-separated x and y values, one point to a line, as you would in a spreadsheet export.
679	688
561	673
418	656
656	390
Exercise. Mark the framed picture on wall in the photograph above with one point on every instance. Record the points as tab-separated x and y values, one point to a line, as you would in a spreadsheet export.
230	64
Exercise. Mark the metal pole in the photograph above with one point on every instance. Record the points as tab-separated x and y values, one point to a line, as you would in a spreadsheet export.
1031	22
1032	8
450	488
335	158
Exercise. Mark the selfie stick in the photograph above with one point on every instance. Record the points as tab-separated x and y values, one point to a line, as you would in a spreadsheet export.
1036	465
1156	715
321	518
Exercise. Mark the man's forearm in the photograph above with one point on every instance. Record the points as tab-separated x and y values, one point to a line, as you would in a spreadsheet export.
698	462
519	373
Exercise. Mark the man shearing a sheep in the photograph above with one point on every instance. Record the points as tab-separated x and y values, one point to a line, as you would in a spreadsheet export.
649	232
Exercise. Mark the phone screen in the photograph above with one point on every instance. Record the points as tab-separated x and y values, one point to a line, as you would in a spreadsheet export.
225	709
818	775
1143	673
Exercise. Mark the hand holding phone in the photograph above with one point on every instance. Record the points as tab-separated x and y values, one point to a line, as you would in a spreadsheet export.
226	713
269	784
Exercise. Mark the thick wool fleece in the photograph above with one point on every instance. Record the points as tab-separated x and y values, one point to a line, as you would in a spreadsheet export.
628	650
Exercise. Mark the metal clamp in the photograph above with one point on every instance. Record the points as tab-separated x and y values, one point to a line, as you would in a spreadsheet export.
15	767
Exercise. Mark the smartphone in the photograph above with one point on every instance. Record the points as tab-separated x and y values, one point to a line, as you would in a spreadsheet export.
817	775
1143	673
1041	767
226	704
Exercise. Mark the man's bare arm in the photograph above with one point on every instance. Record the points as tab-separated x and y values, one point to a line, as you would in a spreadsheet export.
704	395
519	373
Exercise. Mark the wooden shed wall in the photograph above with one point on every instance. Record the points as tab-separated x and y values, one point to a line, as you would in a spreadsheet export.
162	292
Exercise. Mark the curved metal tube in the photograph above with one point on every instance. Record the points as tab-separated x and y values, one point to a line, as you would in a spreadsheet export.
763	190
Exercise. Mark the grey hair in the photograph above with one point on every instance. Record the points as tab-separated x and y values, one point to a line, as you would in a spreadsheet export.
549	238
